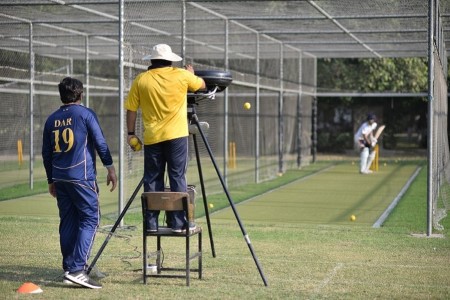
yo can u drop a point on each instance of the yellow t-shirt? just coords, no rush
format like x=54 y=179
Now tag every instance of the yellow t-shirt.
x=161 y=94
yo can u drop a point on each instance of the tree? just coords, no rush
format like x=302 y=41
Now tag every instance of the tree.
x=373 y=75
x=407 y=75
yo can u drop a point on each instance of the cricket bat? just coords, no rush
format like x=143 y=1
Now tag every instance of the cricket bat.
x=379 y=131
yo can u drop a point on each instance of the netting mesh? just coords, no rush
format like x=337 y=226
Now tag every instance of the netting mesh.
x=270 y=47
x=440 y=174
x=249 y=145
x=232 y=132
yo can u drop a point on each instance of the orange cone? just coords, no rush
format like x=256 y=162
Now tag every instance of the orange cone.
x=29 y=288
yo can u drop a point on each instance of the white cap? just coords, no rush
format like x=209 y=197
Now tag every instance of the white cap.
x=162 y=51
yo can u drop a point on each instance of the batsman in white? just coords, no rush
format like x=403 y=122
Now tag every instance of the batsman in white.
x=365 y=143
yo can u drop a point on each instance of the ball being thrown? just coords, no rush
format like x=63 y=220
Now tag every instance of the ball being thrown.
x=247 y=105
x=352 y=218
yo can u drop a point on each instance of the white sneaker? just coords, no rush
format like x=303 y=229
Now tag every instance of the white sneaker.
x=66 y=281
x=366 y=172
x=192 y=227
x=82 y=278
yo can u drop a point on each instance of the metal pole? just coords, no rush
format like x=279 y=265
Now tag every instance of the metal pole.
x=430 y=154
x=225 y=107
x=202 y=186
x=31 y=104
x=314 y=129
x=86 y=70
x=280 y=115
x=113 y=229
x=314 y=125
x=299 y=112
x=121 y=109
x=70 y=66
x=233 y=207
x=257 y=108
x=183 y=31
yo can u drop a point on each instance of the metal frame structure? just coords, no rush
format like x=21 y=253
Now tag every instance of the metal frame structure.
x=322 y=28
x=92 y=30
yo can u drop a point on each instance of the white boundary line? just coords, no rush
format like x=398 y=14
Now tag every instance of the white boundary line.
x=394 y=202
x=328 y=278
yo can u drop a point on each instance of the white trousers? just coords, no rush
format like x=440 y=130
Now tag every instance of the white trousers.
x=366 y=158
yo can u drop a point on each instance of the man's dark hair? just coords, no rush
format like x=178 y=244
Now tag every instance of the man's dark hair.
x=371 y=116
x=70 y=90
x=159 y=63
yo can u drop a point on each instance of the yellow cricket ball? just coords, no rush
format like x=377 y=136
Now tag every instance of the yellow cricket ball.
x=211 y=205
x=247 y=105
x=352 y=218
x=138 y=147
x=134 y=141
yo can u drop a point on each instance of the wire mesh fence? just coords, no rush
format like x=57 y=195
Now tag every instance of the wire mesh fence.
x=439 y=158
x=250 y=145
x=270 y=48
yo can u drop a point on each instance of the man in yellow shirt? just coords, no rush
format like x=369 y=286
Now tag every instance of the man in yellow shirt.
x=161 y=94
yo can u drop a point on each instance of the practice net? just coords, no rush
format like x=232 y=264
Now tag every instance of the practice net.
x=249 y=145
x=440 y=171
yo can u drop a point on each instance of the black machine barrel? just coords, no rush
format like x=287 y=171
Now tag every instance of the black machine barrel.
x=216 y=81
x=214 y=78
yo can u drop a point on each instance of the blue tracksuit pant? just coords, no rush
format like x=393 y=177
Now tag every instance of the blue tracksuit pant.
x=79 y=214
x=174 y=155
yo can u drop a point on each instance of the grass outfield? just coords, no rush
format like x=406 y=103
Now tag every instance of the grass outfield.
x=302 y=259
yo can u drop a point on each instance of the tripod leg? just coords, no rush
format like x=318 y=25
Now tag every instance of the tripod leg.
x=205 y=202
x=222 y=181
x=122 y=214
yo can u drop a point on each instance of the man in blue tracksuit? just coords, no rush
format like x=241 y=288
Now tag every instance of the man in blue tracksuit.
x=71 y=137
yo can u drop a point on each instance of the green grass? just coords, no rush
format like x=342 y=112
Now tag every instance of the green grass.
x=23 y=190
x=330 y=197
x=301 y=260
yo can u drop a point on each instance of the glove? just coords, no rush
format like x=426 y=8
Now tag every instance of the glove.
x=374 y=142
